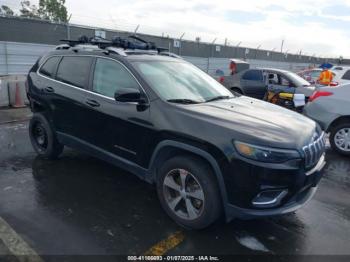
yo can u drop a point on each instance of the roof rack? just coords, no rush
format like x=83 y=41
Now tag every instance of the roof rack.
x=118 y=45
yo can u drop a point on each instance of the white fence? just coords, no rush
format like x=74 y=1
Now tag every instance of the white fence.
x=17 y=59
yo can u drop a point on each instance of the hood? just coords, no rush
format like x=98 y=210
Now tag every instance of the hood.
x=257 y=122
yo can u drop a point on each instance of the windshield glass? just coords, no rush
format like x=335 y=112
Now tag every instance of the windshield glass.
x=297 y=80
x=180 y=80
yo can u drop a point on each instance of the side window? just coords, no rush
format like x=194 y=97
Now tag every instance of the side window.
x=346 y=76
x=109 y=76
x=74 y=70
x=315 y=73
x=48 y=69
x=254 y=75
x=272 y=79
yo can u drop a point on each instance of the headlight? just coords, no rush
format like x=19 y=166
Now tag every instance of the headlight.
x=265 y=154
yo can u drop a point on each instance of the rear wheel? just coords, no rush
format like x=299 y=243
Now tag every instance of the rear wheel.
x=188 y=192
x=43 y=138
x=340 y=138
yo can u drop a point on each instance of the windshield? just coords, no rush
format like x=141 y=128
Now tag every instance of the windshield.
x=181 y=81
x=297 y=80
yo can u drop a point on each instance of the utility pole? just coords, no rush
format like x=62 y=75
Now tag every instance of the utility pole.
x=68 y=27
x=257 y=49
x=137 y=28
x=181 y=42
x=282 y=45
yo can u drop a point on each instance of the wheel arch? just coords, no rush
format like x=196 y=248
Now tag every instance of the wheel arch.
x=169 y=148
x=337 y=121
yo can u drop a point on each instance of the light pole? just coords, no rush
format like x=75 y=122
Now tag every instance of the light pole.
x=257 y=49
x=180 y=42
x=68 y=27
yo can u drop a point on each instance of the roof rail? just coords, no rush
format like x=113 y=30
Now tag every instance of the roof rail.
x=122 y=46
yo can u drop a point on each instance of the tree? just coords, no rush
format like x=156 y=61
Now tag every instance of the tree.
x=28 y=10
x=4 y=9
x=53 y=10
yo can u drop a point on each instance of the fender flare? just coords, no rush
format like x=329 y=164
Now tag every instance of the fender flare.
x=197 y=151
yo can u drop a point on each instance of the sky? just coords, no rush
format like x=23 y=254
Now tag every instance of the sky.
x=320 y=28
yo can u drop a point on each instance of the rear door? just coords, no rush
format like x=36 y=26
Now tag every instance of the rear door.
x=253 y=83
x=70 y=90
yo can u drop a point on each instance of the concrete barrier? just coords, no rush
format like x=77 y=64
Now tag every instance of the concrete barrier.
x=9 y=85
x=4 y=94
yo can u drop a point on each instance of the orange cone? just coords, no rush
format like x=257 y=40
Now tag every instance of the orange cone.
x=18 y=99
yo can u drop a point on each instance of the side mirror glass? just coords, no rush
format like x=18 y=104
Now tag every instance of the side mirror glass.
x=128 y=95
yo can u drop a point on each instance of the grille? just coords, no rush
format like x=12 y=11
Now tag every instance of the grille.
x=314 y=150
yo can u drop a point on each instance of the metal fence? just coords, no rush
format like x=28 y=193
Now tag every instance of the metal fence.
x=17 y=59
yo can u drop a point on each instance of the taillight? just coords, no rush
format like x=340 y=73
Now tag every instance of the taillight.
x=221 y=79
x=318 y=94
x=333 y=84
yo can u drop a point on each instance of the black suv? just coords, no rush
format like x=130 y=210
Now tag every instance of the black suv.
x=209 y=152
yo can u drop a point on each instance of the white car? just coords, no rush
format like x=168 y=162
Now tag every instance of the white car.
x=341 y=74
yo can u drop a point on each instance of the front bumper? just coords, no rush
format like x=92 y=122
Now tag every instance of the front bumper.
x=299 y=188
x=297 y=202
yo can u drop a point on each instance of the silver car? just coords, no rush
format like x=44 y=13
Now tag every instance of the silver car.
x=330 y=107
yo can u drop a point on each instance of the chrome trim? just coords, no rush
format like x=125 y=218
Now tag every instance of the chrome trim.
x=88 y=91
x=125 y=149
x=314 y=150
x=321 y=163
x=270 y=202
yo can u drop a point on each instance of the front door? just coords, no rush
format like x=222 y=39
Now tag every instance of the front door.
x=116 y=127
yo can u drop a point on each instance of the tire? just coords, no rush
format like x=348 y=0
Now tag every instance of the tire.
x=200 y=180
x=337 y=131
x=43 y=137
x=236 y=90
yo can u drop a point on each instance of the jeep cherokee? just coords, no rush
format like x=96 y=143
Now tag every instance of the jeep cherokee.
x=209 y=152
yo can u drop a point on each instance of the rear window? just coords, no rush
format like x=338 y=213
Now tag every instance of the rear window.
x=74 y=70
x=49 y=68
x=346 y=76
x=254 y=75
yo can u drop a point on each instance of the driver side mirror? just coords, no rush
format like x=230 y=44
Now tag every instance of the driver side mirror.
x=129 y=95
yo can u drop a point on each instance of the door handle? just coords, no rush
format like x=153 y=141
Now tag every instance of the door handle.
x=49 y=89
x=92 y=103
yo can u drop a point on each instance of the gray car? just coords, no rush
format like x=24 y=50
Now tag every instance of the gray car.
x=255 y=82
x=330 y=107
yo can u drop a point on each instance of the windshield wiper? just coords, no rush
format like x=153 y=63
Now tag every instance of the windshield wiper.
x=183 y=101
x=218 y=98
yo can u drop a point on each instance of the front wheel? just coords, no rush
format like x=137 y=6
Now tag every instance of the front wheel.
x=188 y=192
x=43 y=138
x=340 y=138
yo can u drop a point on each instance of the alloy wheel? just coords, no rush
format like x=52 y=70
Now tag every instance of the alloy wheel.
x=40 y=136
x=342 y=139
x=183 y=194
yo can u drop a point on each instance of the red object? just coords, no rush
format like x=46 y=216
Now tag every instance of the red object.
x=233 y=67
x=334 y=84
x=18 y=98
x=318 y=94
x=221 y=79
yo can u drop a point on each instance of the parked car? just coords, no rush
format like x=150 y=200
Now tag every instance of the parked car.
x=330 y=108
x=341 y=74
x=208 y=151
x=312 y=76
x=255 y=82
